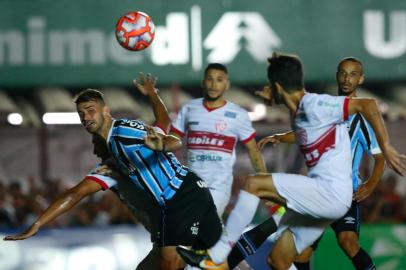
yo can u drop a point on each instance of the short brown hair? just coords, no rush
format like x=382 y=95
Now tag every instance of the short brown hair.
x=89 y=95
x=287 y=70
x=216 y=66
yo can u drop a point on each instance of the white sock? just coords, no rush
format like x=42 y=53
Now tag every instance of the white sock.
x=239 y=218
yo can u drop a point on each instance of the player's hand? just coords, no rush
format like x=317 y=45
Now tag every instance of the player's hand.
x=103 y=170
x=154 y=140
x=270 y=139
x=31 y=231
x=363 y=191
x=394 y=159
x=145 y=83
x=266 y=94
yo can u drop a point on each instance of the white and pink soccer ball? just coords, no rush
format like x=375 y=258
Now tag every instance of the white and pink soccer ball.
x=135 y=31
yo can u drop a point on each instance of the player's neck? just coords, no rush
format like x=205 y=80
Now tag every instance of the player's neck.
x=104 y=131
x=292 y=100
x=213 y=104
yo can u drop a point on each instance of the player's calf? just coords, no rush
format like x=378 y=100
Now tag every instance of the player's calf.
x=283 y=252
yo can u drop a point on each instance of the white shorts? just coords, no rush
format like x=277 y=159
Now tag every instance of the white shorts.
x=305 y=229
x=311 y=207
x=221 y=200
x=309 y=196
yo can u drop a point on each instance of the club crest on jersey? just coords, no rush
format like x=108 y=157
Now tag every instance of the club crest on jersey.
x=195 y=228
x=220 y=126
x=230 y=114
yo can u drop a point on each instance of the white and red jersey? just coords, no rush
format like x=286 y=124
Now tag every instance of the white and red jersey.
x=322 y=135
x=211 y=137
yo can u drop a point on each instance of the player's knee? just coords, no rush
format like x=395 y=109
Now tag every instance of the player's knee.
x=252 y=184
x=278 y=262
x=349 y=243
x=304 y=256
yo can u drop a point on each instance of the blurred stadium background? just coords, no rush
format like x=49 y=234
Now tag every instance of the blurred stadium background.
x=50 y=50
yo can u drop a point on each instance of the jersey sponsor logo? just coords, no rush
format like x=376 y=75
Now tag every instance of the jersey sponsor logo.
x=133 y=123
x=202 y=158
x=230 y=114
x=349 y=220
x=220 y=125
x=201 y=184
x=313 y=152
x=328 y=104
x=193 y=123
x=199 y=140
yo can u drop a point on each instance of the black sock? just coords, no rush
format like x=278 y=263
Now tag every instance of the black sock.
x=250 y=241
x=302 y=265
x=362 y=261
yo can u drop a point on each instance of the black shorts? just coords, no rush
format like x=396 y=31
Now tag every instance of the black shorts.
x=190 y=218
x=351 y=221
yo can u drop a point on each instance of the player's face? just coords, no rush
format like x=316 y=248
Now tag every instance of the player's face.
x=91 y=115
x=349 y=77
x=215 y=83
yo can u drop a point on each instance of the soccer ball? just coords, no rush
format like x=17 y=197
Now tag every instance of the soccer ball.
x=135 y=31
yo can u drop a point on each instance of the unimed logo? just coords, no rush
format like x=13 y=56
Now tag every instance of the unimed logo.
x=385 y=36
x=179 y=41
x=40 y=46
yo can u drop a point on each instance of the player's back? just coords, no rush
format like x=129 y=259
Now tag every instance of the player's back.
x=324 y=141
x=158 y=173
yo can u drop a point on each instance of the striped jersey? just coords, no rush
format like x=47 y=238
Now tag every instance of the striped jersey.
x=211 y=137
x=363 y=140
x=158 y=173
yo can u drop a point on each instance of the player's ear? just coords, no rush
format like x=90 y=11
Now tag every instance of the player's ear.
x=228 y=84
x=361 y=80
x=278 y=88
x=106 y=111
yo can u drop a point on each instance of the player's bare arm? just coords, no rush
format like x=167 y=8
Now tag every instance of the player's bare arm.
x=366 y=189
x=146 y=85
x=62 y=204
x=287 y=137
x=369 y=109
x=160 y=142
x=256 y=157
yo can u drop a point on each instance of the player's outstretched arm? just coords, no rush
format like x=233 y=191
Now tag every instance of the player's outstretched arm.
x=369 y=109
x=146 y=85
x=287 y=137
x=366 y=189
x=160 y=142
x=256 y=157
x=62 y=204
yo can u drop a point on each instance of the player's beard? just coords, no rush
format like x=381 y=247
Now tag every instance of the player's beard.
x=209 y=98
x=277 y=97
x=346 y=93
